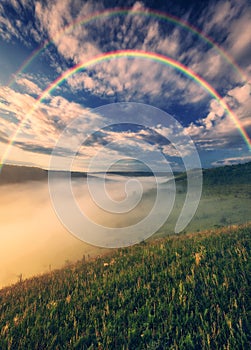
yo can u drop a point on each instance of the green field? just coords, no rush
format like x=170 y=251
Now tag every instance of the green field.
x=184 y=292
x=219 y=206
x=225 y=200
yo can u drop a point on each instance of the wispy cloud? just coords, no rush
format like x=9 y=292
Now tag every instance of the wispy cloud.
x=231 y=21
x=54 y=17
x=126 y=79
x=18 y=24
x=86 y=40
x=39 y=128
x=29 y=85
x=231 y=161
x=219 y=15
x=141 y=80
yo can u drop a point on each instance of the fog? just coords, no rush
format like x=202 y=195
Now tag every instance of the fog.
x=34 y=241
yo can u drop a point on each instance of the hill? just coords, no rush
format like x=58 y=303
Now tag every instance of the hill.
x=17 y=174
x=229 y=174
x=10 y=174
x=184 y=292
x=225 y=175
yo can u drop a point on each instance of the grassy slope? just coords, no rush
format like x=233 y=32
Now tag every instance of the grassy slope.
x=225 y=200
x=187 y=292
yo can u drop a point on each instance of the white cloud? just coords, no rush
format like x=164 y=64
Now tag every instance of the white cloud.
x=138 y=79
x=168 y=44
x=29 y=85
x=39 y=126
x=55 y=19
x=242 y=94
x=230 y=23
x=137 y=6
x=219 y=14
x=131 y=79
x=239 y=98
x=231 y=161
x=238 y=41
x=217 y=108
x=84 y=40
x=18 y=25
x=79 y=43
x=7 y=30
x=194 y=130
x=219 y=129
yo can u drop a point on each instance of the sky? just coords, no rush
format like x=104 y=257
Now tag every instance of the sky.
x=61 y=74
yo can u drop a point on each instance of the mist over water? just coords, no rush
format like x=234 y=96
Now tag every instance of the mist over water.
x=33 y=240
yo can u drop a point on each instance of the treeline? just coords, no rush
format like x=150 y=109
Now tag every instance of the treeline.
x=238 y=174
x=187 y=292
x=228 y=175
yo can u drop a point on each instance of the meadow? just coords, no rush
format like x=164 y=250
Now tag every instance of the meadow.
x=189 y=291
x=225 y=200
x=219 y=206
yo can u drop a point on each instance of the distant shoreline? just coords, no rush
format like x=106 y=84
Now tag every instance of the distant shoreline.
x=13 y=174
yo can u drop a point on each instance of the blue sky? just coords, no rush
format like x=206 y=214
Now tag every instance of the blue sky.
x=25 y=25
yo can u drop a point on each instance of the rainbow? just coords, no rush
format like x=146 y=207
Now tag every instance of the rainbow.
x=122 y=12
x=130 y=54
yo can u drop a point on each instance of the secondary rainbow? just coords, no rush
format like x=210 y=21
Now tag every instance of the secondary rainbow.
x=131 y=54
x=128 y=11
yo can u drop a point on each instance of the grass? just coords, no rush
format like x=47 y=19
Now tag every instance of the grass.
x=220 y=205
x=184 y=292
